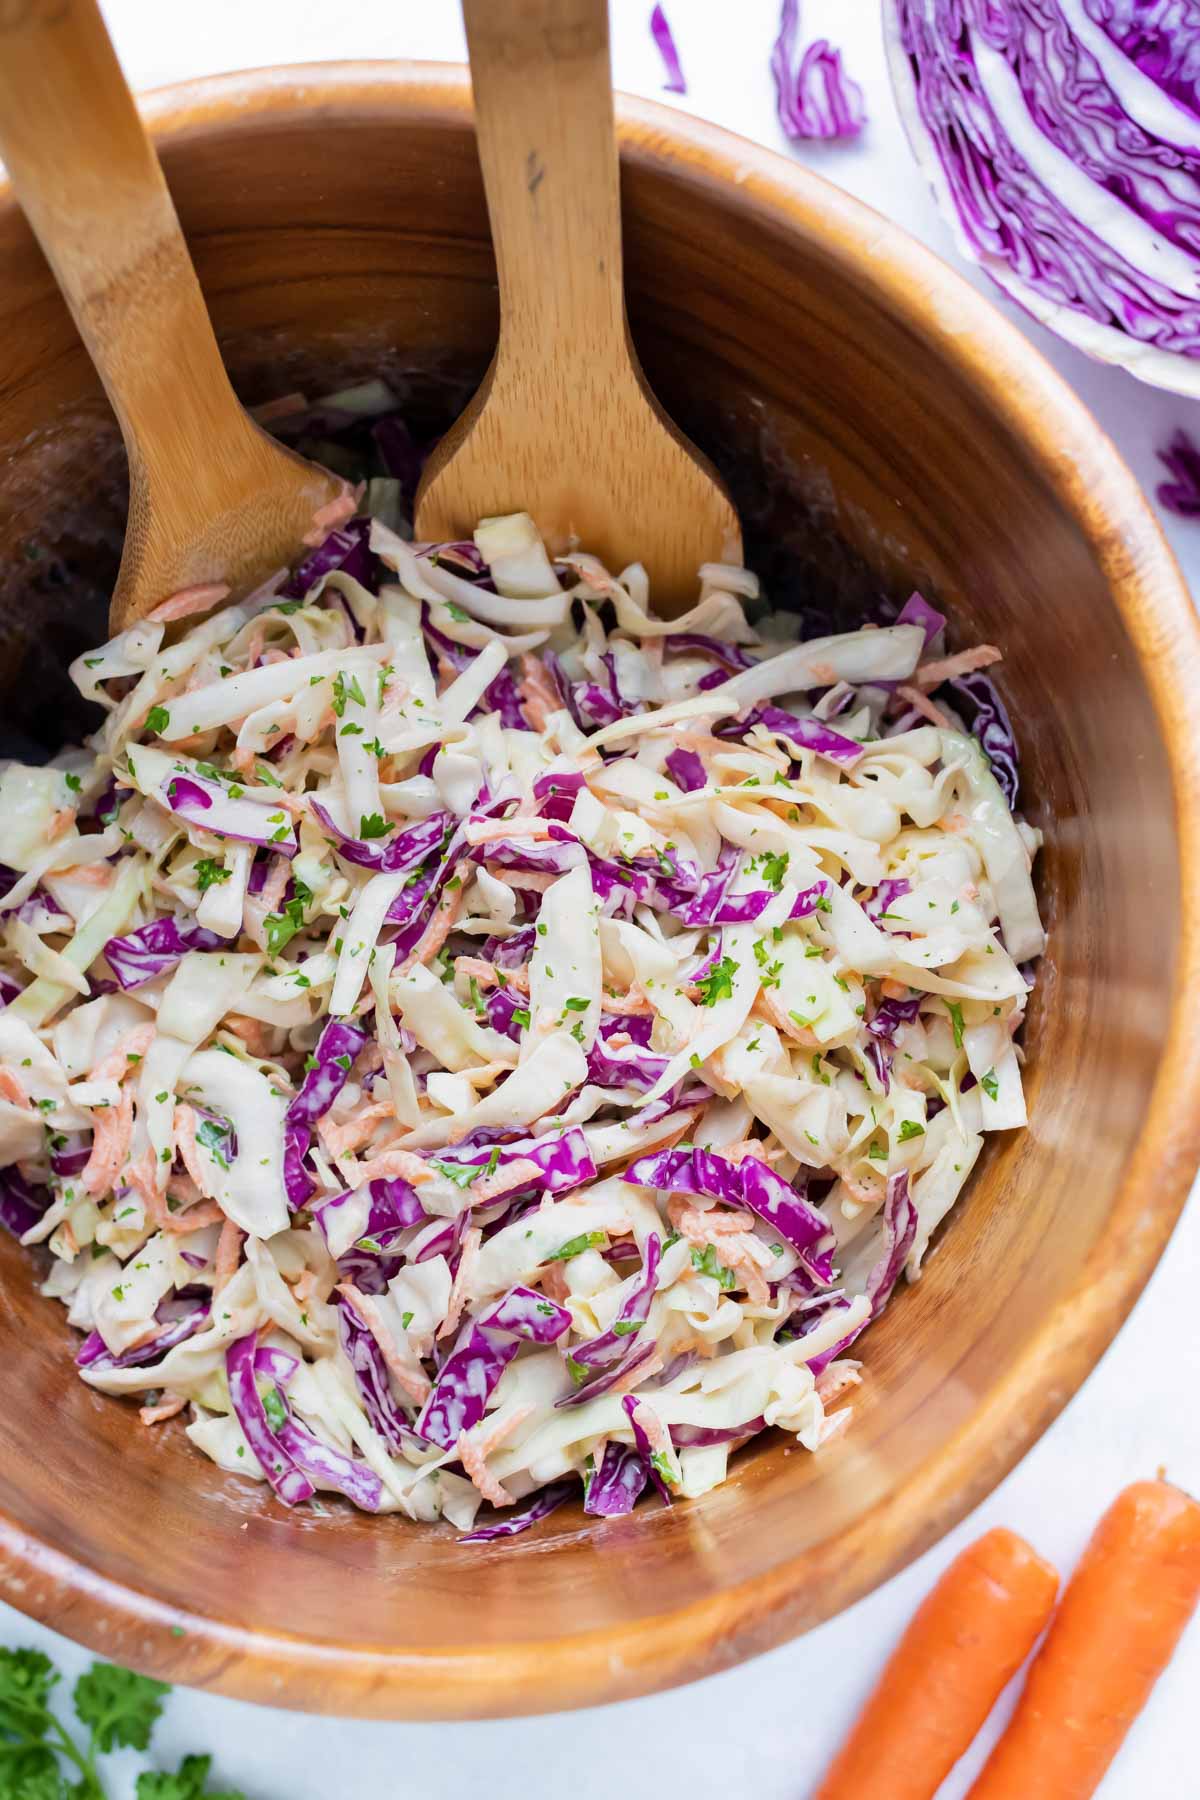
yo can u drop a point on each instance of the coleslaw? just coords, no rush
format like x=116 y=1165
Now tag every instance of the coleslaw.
x=468 y=1040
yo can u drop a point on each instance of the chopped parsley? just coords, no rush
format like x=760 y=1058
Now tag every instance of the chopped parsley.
x=586 y=1240
x=209 y=874
x=718 y=983
x=344 y=690
x=707 y=1262
x=280 y=928
x=214 y=1137
x=461 y=1174
x=773 y=867
x=275 y=1408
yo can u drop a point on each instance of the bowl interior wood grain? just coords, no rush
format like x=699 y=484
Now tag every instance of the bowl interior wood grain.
x=881 y=428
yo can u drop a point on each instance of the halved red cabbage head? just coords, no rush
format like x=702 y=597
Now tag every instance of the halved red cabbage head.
x=1063 y=142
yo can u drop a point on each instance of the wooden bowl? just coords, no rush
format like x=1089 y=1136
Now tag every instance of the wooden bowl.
x=882 y=427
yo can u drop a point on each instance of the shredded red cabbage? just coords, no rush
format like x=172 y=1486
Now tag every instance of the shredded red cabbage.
x=814 y=96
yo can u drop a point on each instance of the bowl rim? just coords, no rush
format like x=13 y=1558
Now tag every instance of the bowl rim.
x=1080 y=463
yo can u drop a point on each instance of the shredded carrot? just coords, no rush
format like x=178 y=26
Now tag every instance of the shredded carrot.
x=392 y=1163
x=225 y=1262
x=88 y=874
x=340 y=1140
x=255 y=643
x=330 y=517
x=476 y=1446
x=921 y=703
x=11 y=1088
x=955 y=823
x=473 y=1460
x=534 y=881
x=189 y=601
x=113 y=1130
x=409 y=1377
x=537 y=692
x=368 y=1060
x=488 y=976
x=254 y=1033
x=283 y=408
x=184 y=1127
x=766 y=1006
x=395 y=692
x=970 y=1635
x=144 y=1177
x=180 y=1187
x=468 y=1256
x=440 y=926
x=304 y=1286
x=502 y=1429
x=685 y=1128
x=729 y=1234
x=947 y=668
x=194 y=1219
x=275 y=886
x=123 y=1058
x=486 y=1074
x=702 y=740
x=636 y=1002
x=866 y=1193
x=706 y=1225
x=1123 y=1613
x=518 y=1173
x=491 y=831
x=167 y=1408
x=657 y=1435
x=640 y=1372
x=553 y=1282
x=348 y=1136
x=61 y=823
x=835 y=1378
x=738 y=1254
x=737 y=1153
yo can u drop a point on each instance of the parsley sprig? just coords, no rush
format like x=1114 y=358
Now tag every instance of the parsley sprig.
x=41 y=1759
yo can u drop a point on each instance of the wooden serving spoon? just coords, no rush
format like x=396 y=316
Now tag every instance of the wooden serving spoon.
x=564 y=426
x=211 y=497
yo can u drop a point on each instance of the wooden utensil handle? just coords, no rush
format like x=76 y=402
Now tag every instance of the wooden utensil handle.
x=544 y=114
x=91 y=187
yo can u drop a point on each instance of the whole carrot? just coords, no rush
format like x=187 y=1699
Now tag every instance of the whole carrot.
x=967 y=1639
x=1121 y=1617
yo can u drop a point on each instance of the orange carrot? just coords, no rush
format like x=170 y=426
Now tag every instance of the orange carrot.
x=1121 y=1617
x=966 y=1641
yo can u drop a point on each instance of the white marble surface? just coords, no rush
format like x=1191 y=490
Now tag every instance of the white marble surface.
x=768 y=1727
